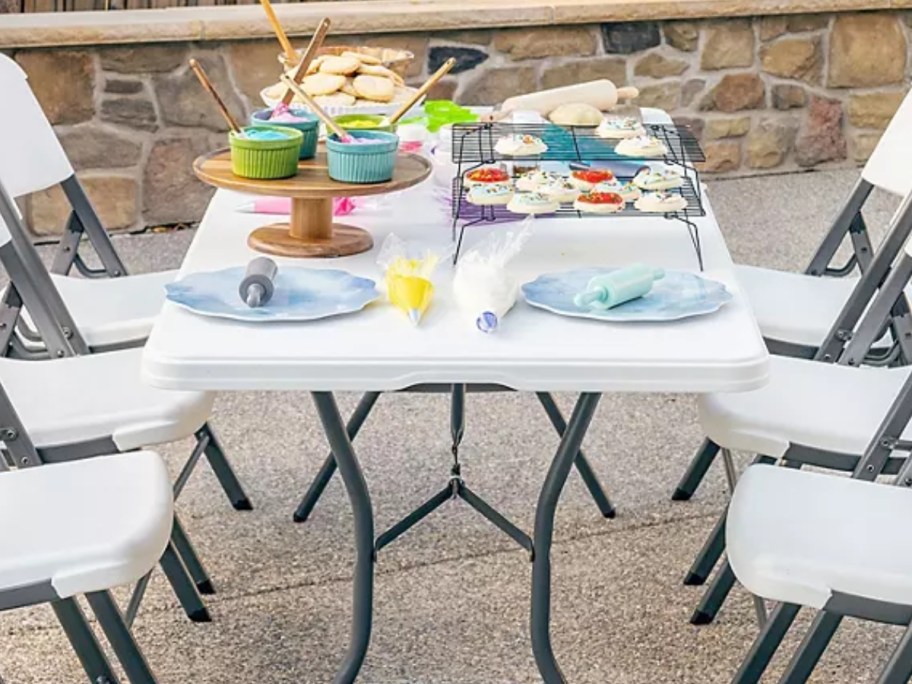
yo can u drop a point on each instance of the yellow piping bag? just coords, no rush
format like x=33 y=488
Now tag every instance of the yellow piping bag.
x=408 y=269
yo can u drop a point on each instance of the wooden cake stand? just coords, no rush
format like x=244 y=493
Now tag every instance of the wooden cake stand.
x=311 y=231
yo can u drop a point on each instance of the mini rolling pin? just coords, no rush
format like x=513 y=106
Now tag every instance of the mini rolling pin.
x=615 y=288
x=258 y=285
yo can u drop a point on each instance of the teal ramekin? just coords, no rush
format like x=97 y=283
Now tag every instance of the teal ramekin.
x=265 y=159
x=362 y=162
x=310 y=129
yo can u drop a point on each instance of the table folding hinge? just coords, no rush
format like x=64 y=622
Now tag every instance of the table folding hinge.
x=889 y=442
x=844 y=335
x=9 y=434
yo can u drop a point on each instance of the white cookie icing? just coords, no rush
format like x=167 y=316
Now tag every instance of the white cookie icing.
x=665 y=178
x=520 y=146
x=618 y=129
x=660 y=202
x=627 y=190
x=532 y=203
x=490 y=193
x=641 y=146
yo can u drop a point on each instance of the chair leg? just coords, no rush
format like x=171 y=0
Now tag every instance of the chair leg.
x=899 y=668
x=83 y=641
x=714 y=596
x=188 y=554
x=120 y=638
x=223 y=471
x=766 y=643
x=696 y=471
x=183 y=586
x=708 y=555
x=811 y=649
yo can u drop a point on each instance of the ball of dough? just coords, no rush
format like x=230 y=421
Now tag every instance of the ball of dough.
x=576 y=114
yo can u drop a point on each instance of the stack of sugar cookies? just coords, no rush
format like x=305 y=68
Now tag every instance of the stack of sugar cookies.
x=348 y=79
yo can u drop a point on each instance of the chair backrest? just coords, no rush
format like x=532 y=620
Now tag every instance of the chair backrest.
x=32 y=157
x=889 y=167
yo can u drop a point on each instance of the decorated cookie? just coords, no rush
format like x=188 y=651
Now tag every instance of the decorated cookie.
x=520 y=146
x=586 y=179
x=620 y=128
x=532 y=203
x=641 y=146
x=599 y=202
x=627 y=190
x=490 y=193
x=665 y=178
x=486 y=175
x=560 y=190
x=660 y=202
x=532 y=180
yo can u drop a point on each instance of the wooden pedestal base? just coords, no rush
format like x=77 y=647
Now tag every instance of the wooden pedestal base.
x=310 y=233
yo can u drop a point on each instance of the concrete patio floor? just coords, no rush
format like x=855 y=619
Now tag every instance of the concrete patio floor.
x=452 y=595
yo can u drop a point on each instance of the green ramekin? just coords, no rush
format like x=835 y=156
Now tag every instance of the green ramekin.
x=377 y=121
x=362 y=163
x=310 y=129
x=265 y=159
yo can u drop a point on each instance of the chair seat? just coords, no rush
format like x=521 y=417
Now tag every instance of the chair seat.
x=794 y=307
x=114 y=311
x=798 y=536
x=82 y=398
x=835 y=408
x=83 y=526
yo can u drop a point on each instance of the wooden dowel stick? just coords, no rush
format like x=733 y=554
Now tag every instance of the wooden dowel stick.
x=316 y=42
x=315 y=108
x=290 y=54
x=207 y=84
x=440 y=73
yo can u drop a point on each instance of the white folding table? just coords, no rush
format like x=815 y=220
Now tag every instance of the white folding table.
x=379 y=350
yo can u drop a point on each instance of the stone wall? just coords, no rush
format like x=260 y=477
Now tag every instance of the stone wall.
x=764 y=94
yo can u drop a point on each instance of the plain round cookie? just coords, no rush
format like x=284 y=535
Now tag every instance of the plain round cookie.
x=340 y=65
x=374 y=88
x=361 y=57
x=339 y=99
x=322 y=84
x=378 y=70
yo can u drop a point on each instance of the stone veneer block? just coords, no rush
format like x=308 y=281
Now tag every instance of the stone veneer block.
x=612 y=68
x=183 y=101
x=682 y=35
x=690 y=90
x=728 y=44
x=665 y=96
x=873 y=110
x=716 y=129
x=495 y=85
x=629 y=37
x=771 y=27
x=798 y=23
x=143 y=58
x=736 y=92
x=695 y=124
x=113 y=197
x=466 y=58
x=863 y=144
x=444 y=89
x=656 y=65
x=788 y=96
x=90 y=146
x=822 y=138
x=547 y=41
x=171 y=192
x=468 y=37
x=119 y=86
x=866 y=50
x=130 y=111
x=800 y=59
x=721 y=156
x=63 y=81
x=769 y=143
x=254 y=65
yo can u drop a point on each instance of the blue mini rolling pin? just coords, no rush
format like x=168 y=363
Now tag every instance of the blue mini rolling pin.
x=612 y=289
x=258 y=285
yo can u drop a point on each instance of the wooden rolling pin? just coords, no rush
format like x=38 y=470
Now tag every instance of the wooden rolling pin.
x=601 y=94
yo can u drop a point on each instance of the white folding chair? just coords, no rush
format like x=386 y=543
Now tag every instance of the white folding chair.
x=116 y=311
x=799 y=312
x=838 y=416
x=83 y=528
x=827 y=543
x=120 y=413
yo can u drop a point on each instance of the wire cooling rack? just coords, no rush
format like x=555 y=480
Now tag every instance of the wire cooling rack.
x=473 y=146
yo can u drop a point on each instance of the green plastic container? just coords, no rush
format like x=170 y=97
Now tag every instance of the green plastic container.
x=362 y=163
x=365 y=122
x=265 y=159
x=310 y=129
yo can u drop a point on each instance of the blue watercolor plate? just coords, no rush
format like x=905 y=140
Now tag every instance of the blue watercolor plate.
x=301 y=294
x=678 y=295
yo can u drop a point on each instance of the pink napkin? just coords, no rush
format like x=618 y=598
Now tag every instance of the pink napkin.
x=342 y=206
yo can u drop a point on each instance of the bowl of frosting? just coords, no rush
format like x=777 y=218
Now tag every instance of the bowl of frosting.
x=265 y=152
x=362 y=157
x=291 y=117
x=365 y=122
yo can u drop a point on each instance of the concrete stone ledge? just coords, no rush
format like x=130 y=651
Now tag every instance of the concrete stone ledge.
x=379 y=16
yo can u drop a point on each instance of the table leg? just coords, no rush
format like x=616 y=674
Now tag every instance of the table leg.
x=544 y=531
x=358 y=495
